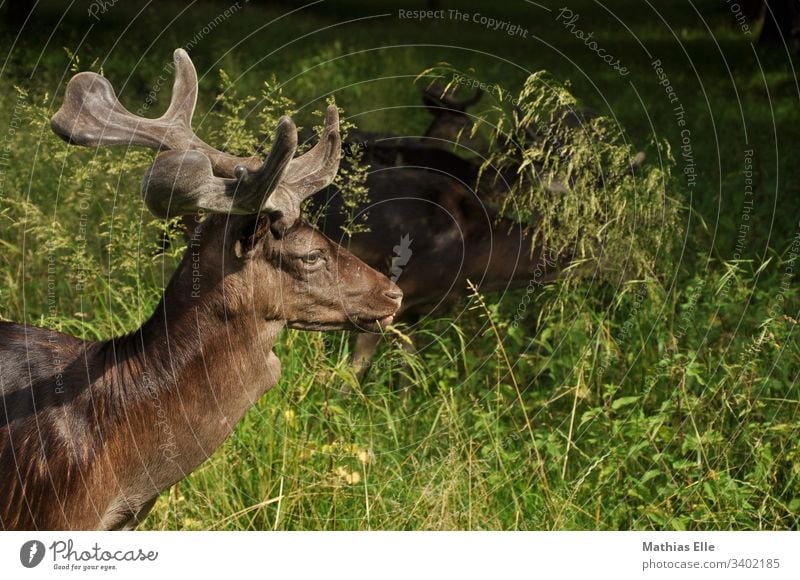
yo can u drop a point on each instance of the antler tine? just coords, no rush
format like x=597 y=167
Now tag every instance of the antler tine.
x=183 y=182
x=309 y=173
x=91 y=114
x=463 y=105
x=184 y=91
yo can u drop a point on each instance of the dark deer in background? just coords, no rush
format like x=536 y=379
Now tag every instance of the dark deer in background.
x=431 y=233
x=450 y=128
x=452 y=125
x=92 y=432
x=430 y=228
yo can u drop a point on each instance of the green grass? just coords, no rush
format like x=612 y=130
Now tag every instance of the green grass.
x=669 y=403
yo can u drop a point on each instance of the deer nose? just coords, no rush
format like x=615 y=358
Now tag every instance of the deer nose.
x=393 y=293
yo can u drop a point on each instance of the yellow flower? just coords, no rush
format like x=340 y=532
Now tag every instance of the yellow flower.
x=290 y=417
x=366 y=456
x=349 y=477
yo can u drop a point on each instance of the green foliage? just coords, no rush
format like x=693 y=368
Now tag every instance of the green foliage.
x=568 y=177
x=233 y=134
x=652 y=405
x=499 y=435
x=623 y=219
x=351 y=181
x=69 y=219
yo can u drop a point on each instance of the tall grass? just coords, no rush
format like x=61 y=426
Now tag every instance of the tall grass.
x=645 y=405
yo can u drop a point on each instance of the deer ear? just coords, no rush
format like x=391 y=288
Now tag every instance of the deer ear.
x=251 y=236
x=433 y=105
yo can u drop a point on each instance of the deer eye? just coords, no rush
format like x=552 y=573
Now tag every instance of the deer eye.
x=313 y=258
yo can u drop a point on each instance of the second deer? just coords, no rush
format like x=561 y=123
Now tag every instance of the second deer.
x=430 y=227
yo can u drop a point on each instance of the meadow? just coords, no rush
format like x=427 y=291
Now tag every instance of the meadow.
x=667 y=401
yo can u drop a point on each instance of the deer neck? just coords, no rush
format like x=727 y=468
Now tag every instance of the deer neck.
x=190 y=373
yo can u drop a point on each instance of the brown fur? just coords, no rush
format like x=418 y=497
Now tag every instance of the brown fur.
x=92 y=432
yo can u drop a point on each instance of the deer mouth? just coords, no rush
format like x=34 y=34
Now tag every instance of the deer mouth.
x=355 y=323
x=373 y=325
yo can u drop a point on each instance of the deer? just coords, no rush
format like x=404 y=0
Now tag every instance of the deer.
x=429 y=224
x=451 y=124
x=430 y=228
x=92 y=432
x=432 y=234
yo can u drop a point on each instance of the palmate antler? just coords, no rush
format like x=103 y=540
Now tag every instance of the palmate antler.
x=190 y=175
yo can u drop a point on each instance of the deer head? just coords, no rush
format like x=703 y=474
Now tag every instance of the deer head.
x=257 y=246
x=451 y=122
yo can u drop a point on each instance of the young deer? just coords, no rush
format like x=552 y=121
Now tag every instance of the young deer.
x=92 y=432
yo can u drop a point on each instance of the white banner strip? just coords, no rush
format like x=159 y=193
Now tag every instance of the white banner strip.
x=402 y=555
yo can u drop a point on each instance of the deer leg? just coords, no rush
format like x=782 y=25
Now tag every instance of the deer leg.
x=364 y=351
